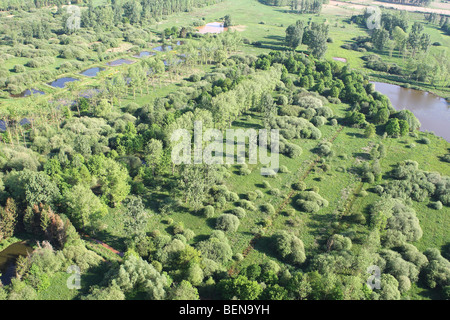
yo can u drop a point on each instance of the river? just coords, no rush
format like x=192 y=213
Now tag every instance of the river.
x=8 y=259
x=432 y=111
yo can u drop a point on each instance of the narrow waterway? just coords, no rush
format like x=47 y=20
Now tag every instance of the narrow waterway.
x=8 y=259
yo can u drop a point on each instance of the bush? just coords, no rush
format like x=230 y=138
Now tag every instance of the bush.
x=437 y=205
x=299 y=186
x=18 y=68
x=247 y=205
x=340 y=243
x=289 y=247
x=293 y=150
x=275 y=192
x=425 y=140
x=208 y=211
x=251 y=196
x=239 y=212
x=266 y=184
x=267 y=208
x=227 y=222
x=311 y=202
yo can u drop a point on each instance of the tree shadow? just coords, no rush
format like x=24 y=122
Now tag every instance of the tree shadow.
x=265 y=245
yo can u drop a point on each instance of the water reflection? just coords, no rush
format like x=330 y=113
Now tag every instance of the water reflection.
x=61 y=82
x=92 y=72
x=212 y=27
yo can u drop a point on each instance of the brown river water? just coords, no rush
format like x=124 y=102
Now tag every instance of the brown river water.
x=8 y=258
x=432 y=111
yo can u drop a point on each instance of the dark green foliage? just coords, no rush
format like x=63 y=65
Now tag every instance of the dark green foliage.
x=289 y=247
x=311 y=202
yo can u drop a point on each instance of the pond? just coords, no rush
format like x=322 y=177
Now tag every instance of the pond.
x=163 y=48
x=28 y=92
x=61 y=82
x=92 y=72
x=144 y=54
x=8 y=259
x=119 y=62
x=212 y=27
x=432 y=111
x=339 y=59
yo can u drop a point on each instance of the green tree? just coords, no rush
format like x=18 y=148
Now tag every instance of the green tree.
x=83 y=206
x=294 y=35
x=240 y=287
x=393 y=127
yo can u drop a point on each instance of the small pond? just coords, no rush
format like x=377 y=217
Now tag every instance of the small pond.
x=119 y=62
x=212 y=27
x=61 y=82
x=92 y=72
x=143 y=54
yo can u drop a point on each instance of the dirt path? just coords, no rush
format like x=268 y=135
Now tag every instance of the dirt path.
x=103 y=244
x=252 y=242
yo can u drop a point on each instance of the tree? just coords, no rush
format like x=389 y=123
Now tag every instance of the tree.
x=315 y=37
x=404 y=127
x=382 y=116
x=32 y=187
x=184 y=291
x=227 y=21
x=227 y=222
x=380 y=38
x=370 y=131
x=135 y=224
x=240 y=287
x=153 y=153
x=289 y=247
x=294 y=35
x=113 y=180
x=393 y=127
x=8 y=219
x=135 y=274
x=83 y=206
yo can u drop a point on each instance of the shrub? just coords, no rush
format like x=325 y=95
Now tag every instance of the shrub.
x=266 y=184
x=208 y=211
x=251 y=196
x=227 y=222
x=299 y=186
x=18 y=68
x=259 y=194
x=311 y=202
x=289 y=247
x=340 y=243
x=436 y=205
x=239 y=212
x=267 y=208
x=247 y=205
x=425 y=140
x=275 y=192
x=293 y=150
x=284 y=169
